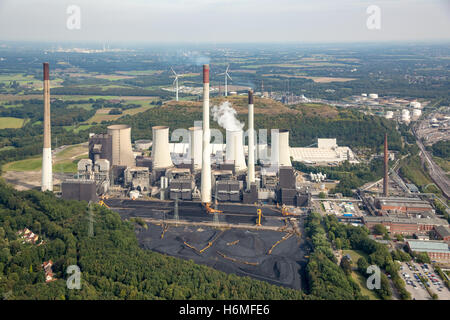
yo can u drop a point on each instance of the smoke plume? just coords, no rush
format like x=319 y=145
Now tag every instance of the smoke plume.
x=225 y=116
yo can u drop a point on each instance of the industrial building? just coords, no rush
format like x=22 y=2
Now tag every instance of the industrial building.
x=436 y=250
x=442 y=233
x=194 y=171
x=405 y=225
x=405 y=205
x=326 y=151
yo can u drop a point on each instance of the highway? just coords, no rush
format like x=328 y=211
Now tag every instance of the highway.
x=436 y=173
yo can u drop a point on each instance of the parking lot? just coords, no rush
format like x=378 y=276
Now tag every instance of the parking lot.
x=410 y=273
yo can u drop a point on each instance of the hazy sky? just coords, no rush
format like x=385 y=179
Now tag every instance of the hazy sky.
x=225 y=20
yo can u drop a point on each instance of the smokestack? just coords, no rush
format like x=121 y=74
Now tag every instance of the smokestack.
x=160 y=148
x=206 y=156
x=386 y=168
x=235 y=149
x=195 y=146
x=251 y=142
x=47 y=174
x=122 y=152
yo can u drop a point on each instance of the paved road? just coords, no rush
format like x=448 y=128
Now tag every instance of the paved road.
x=437 y=174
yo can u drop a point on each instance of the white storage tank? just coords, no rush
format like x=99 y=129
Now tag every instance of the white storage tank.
x=405 y=115
x=373 y=96
x=389 y=115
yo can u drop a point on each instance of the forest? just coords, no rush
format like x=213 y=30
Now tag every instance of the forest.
x=112 y=264
x=330 y=281
x=442 y=149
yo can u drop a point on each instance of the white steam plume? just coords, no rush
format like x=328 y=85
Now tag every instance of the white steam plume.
x=225 y=116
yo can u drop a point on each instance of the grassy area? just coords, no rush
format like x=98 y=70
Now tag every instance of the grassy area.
x=86 y=106
x=443 y=163
x=412 y=170
x=11 y=123
x=31 y=164
x=361 y=281
x=64 y=161
x=102 y=114
x=7 y=148
x=355 y=255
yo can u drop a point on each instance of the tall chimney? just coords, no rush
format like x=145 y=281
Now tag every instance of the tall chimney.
x=386 y=168
x=251 y=142
x=206 y=156
x=47 y=175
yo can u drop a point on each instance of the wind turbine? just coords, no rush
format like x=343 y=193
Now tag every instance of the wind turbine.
x=226 y=79
x=175 y=82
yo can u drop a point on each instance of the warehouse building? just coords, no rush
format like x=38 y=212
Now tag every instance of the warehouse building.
x=436 y=250
x=405 y=205
x=406 y=226
x=442 y=233
x=327 y=151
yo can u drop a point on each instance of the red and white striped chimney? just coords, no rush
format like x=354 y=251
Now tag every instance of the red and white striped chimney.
x=206 y=156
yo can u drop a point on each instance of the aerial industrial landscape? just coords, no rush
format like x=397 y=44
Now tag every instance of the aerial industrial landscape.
x=224 y=171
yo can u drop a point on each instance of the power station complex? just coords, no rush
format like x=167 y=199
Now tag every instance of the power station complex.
x=203 y=172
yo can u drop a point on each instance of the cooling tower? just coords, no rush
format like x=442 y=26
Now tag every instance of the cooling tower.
x=47 y=174
x=206 y=156
x=195 y=146
x=235 y=149
x=274 y=148
x=251 y=142
x=284 y=149
x=160 y=149
x=122 y=152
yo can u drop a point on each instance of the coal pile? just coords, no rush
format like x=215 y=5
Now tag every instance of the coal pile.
x=238 y=251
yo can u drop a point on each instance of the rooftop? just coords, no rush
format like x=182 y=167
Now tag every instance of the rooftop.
x=428 y=246
x=411 y=220
x=443 y=231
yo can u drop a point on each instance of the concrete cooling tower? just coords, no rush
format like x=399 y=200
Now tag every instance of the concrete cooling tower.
x=122 y=152
x=160 y=149
x=285 y=150
x=280 y=150
x=195 y=146
x=235 y=149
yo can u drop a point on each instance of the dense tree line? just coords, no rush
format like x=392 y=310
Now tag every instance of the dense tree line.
x=326 y=280
x=442 y=149
x=112 y=264
x=357 y=238
x=304 y=131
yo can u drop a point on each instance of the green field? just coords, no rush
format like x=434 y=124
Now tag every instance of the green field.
x=65 y=161
x=11 y=123
x=355 y=255
x=443 y=163
x=361 y=281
